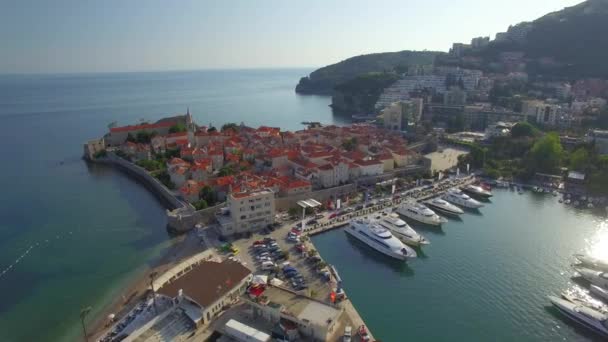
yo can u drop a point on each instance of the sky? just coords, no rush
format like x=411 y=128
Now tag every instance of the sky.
x=51 y=36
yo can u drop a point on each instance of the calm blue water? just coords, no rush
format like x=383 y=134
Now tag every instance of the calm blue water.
x=484 y=278
x=89 y=230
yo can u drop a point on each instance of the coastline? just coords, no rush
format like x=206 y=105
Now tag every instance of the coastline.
x=181 y=247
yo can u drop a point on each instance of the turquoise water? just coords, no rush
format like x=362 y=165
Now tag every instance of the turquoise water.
x=92 y=229
x=484 y=278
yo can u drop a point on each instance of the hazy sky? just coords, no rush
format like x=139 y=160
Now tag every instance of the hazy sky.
x=132 y=35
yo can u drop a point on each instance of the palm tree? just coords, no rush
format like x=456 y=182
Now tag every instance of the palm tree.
x=83 y=314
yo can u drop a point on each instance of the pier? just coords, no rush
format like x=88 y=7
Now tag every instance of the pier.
x=421 y=193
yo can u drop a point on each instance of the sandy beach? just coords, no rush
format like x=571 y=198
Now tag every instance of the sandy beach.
x=182 y=248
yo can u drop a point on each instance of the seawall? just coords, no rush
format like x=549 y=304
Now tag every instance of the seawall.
x=181 y=216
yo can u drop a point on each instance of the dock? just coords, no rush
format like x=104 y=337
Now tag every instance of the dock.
x=420 y=193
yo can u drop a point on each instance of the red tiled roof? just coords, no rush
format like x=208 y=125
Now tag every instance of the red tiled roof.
x=326 y=167
x=141 y=127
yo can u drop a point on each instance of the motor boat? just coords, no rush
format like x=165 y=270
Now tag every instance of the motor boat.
x=591 y=262
x=582 y=314
x=421 y=213
x=600 y=292
x=586 y=301
x=401 y=230
x=459 y=198
x=379 y=238
x=476 y=190
x=595 y=277
x=444 y=207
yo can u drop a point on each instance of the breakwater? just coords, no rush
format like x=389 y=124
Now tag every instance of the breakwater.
x=181 y=216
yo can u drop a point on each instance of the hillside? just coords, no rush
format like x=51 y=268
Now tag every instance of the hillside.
x=570 y=43
x=323 y=81
x=359 y=95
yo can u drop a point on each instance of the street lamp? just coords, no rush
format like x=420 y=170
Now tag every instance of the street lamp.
x=83 y=314
x=152 y=276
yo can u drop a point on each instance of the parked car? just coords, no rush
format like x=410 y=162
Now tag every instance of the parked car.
x=319 y=216
x=348 y=333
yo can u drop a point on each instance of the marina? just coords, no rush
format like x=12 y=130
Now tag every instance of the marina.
x=470 y=271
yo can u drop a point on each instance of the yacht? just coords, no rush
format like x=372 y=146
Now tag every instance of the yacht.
x=401 y=230
x=458 y=197
x=582 y=314
x=591 y=262
x=379 y=238
x=444 y=207
x=599 y=292
x=595 y=277
x=477 y=190
x=420 y=213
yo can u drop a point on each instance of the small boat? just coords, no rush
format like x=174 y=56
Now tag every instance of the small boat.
x=420 y=213
x=459 y=198
x=582 y=314
x=595 y=277
x=555 y=193
x=401 y=230
x=591 y=262
x=476 y=190
x=600 y=292
x=567 y=201
x=379 y=238
x=444 y=207
x=363 y=335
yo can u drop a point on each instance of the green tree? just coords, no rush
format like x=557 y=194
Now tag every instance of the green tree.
x=226 y=171
x=144 y=137
x=201 y=204
x=293 y=212
x=131 y=138
x=178 y=127
x=524 y=129
x=546 y=154
x=208 y=195
x=211 y=129
x=579 y=159
x=230 y=126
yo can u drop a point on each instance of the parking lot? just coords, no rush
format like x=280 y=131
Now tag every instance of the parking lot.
x=306 y=269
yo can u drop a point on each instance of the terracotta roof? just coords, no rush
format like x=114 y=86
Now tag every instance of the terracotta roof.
x=141 y=127
x=326 y=167
x=207 y=282
x=297 y=184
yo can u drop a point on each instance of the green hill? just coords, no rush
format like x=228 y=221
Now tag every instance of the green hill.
x=323 y=81
x=570 y=43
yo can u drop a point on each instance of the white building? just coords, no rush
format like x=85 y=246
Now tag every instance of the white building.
x=247 y=212
x=544 y=113
x=204 y=290
x=397 y=116
x=315 y=320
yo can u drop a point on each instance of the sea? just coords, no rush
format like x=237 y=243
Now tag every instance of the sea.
x=74 y=235
x=484 y=277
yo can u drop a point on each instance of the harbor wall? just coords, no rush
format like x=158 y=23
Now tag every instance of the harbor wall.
x=181 y=216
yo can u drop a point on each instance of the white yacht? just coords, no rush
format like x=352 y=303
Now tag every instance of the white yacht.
x=401 y=230
x=595 y=277
x=379 y=238
x=600 y=292
x=458 y=197
x=420 y=213
x=477 y=190
x=582 y=314
x=444 y=207
x=591 y=262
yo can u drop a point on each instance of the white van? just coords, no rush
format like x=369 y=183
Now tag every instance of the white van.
x=348 y=331
x=268 y=265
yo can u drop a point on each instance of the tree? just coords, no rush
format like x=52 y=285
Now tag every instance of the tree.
x=211 y=129
x=230 y=126
x=293 y=211
x=579 y=159
x=546 y=154
x=144 y=137
x=226 y=171
x=349 y=144
x=131 y=138
x=178 y=127
x=208 y=195
x=201 y=204
x=524 y=129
